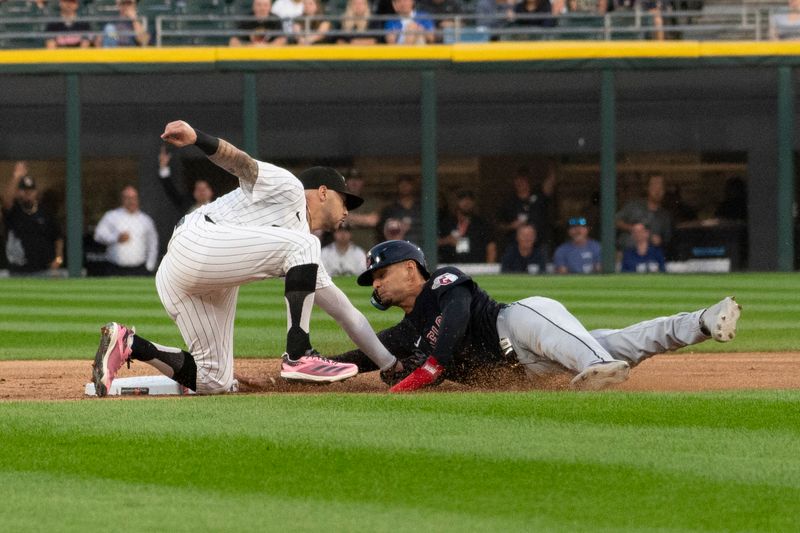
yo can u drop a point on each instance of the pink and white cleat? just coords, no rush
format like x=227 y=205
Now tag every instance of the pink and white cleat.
x=315 y=368
x=113 y=352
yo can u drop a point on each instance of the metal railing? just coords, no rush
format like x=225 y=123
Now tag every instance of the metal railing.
x=722 y=23
x=717 y=23
x=20 y=28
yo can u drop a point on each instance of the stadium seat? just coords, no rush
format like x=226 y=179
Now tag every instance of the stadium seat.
x=18 y=8
x=200 y=7
x=153 y=8
x=210 y=13
x=588 y=22
x=466 y=35
x=102 y=7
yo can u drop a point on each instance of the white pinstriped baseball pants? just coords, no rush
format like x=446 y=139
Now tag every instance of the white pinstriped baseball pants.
x=548 y=339
x=198 y=283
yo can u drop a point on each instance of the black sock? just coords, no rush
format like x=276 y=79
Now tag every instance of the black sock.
x=301 y=281
x=187 y=375
x=181 y=362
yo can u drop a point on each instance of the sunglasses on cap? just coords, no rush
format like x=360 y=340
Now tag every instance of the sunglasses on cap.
x=577 y=221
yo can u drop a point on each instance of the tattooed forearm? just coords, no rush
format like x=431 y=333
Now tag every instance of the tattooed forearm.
x=235 y=161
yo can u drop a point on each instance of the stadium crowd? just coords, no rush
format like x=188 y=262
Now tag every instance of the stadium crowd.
x=520 y=230
x=113 y=23
x=110 y=23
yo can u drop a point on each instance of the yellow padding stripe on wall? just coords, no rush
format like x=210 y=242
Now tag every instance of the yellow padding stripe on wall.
x=467 y=52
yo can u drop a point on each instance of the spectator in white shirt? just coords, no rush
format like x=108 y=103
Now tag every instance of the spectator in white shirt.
x=130 y=236
x=342 y=257
x=288 y=10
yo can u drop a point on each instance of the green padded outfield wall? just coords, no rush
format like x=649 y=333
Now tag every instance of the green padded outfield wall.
x=491 y=100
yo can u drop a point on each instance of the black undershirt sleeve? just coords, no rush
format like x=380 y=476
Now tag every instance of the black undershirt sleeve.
x=455 y=304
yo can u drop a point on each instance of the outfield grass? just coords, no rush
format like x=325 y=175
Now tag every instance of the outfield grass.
x=444 y=462
x=45 y=319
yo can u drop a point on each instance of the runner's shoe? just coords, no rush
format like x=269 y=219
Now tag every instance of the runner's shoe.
x=315 y=368
x=601 y=375
x=113 y=352
x=719 y=320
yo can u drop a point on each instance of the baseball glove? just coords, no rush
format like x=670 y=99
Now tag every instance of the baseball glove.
x=393 y=376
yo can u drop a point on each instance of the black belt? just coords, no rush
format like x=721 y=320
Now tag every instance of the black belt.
x=507 y=349
x=183 y=219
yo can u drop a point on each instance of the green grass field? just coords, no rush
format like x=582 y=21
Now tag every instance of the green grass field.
x=51 y=319
x=533 y=461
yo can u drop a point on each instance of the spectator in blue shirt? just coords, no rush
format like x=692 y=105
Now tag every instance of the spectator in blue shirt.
x=579 y=255
x=410 y=26
x=642 y=257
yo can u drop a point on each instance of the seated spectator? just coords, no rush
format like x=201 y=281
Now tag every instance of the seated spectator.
x=494 y=14
x=444 y=13
x=395 y=230
x=406 y=209
x=127 y=32
x=579 y=255
x=523 y=255
x=342 y=257
x=734 y=202
x=358 y=26
x=202 y=192
x=527 y=13
x=265 y=29
x=466 y=237
x=364 y=221
x=786 y=25
x=130 y=236
x=680 y=210
x=642 y=257
x=652 y=9
x=287 y=11
x=70 y=32
x=34 y=245
x=409 y=26
x=310 y=29
x=649 y=211
x=528 y=205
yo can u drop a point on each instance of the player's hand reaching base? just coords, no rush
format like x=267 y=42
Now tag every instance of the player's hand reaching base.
x=179 y=133
x=427 y=375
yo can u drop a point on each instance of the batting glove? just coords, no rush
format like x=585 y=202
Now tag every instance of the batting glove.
x=426 y=375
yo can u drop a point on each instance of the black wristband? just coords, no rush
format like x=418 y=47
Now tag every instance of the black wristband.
x=206 y=142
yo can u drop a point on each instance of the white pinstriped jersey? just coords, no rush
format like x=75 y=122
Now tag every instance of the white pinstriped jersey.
x=275 y=199
x=258 y=231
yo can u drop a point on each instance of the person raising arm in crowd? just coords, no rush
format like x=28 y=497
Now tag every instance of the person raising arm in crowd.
x=34 y=245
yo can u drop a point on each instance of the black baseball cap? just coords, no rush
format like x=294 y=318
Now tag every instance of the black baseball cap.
x=26 y=183
x=316 y=177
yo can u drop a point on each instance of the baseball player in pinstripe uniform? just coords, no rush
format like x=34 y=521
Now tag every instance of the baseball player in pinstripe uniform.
x=260 y=230
x=454 y=330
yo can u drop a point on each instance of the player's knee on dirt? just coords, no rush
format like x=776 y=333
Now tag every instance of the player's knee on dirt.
x=216 y=386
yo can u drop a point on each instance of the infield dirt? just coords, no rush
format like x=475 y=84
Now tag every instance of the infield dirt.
x=65 y=380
